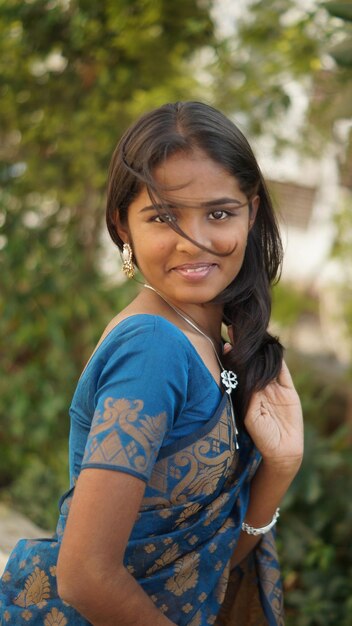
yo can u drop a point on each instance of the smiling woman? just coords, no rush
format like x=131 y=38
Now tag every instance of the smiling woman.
x=181 y=448
x=210 y=208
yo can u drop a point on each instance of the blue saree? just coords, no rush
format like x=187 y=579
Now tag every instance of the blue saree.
x=196 y=495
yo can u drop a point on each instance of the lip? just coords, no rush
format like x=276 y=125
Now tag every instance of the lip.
x=194 y=271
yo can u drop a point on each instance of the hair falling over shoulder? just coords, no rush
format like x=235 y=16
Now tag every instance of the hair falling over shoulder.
x=183 y=127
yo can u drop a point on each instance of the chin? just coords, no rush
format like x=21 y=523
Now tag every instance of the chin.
x=196 y=296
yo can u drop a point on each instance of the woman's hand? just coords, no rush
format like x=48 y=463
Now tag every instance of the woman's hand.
x=274 y=422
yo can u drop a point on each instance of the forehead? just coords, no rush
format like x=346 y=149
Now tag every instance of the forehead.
x=195 y=175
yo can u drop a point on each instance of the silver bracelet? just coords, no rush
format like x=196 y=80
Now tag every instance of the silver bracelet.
x=264 y=529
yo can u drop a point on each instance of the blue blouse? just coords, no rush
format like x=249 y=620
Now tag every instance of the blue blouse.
x=147 y=405
x=149 y=359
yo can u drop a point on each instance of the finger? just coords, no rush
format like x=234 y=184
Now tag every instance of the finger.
x=227 y=348
x=284 y=378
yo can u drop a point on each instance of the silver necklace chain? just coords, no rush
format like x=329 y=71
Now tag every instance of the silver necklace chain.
x=228 y=377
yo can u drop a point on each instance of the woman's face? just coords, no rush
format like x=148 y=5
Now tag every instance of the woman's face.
x=209 y=206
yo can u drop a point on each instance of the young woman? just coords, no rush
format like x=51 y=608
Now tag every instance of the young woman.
x=181 y=446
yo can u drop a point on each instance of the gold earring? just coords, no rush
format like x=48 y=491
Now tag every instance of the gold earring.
x=127 y=265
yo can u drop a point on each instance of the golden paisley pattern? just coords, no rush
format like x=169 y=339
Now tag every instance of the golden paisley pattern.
x=26 y=615
x=167 y=557
x=123 y=437
x=185 y=576
x=36 y=590
x=55 y=618
x=270 y=576
x=221 y=586
x=197 y=470
x=215 y=508
x=188 y=511
x=185 y=531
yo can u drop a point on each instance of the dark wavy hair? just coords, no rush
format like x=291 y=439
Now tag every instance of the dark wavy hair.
x=184 y=127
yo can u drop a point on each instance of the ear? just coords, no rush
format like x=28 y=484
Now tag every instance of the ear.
x=253 y=209
x=121 y=228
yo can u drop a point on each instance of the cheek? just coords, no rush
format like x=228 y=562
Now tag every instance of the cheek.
x=148 y=250
x=161 y=245
x=240 y=241
x=236 y=237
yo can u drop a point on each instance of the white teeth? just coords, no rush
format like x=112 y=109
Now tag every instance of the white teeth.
x=195 y=269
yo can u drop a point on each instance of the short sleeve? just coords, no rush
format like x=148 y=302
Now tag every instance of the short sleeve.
x=140 y=392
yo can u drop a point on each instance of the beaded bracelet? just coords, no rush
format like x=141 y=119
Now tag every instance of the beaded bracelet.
x=264 y=529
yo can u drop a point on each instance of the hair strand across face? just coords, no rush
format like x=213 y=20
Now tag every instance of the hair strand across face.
x=184 y=128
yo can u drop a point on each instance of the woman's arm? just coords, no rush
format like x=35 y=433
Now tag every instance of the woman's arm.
x=274 y=422
x=90 y=572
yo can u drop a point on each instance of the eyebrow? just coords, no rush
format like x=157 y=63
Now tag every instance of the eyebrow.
x=209 y=203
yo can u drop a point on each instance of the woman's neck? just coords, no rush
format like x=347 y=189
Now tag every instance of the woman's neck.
x=207 y=316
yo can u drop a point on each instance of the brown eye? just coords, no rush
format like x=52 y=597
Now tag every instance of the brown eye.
x=164 y=218
x=219 y=215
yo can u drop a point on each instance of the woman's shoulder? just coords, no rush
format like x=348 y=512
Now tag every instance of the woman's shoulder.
x=138 y=350
x=140 y=334
x=147 y=324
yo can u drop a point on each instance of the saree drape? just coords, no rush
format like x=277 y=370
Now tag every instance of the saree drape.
x=181 y=545
x=147 y=405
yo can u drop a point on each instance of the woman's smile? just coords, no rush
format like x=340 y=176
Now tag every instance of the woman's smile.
x=206 y=203
x=194 y=271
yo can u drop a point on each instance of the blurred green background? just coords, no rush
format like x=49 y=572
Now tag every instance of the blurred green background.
x=73 y=75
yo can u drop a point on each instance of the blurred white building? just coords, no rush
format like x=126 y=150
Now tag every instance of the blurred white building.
x=307 y=195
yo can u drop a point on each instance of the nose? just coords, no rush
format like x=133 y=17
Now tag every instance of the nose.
x=197 y=231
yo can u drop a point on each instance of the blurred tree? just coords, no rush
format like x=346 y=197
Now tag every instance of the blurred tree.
x=73 y=74
x=340 y=106
x=315 y=534
x=342 y=52
x=282 y=53
x=273 y=45
x=276 y=47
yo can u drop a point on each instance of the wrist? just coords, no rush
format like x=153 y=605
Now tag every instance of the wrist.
x=283 y=467
x=261 y=530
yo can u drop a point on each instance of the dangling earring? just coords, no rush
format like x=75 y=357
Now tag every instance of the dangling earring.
x=127 y=265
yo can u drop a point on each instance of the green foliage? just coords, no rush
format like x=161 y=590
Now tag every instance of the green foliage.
x=342 y=250
x=290 y=304
x=259 y=61
x=339 y=9
x=276 y=46
x=73 y=75
x=342 y=52
x=37 y=489
x=315 y=527
x=53 y=310
x=315 y=533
